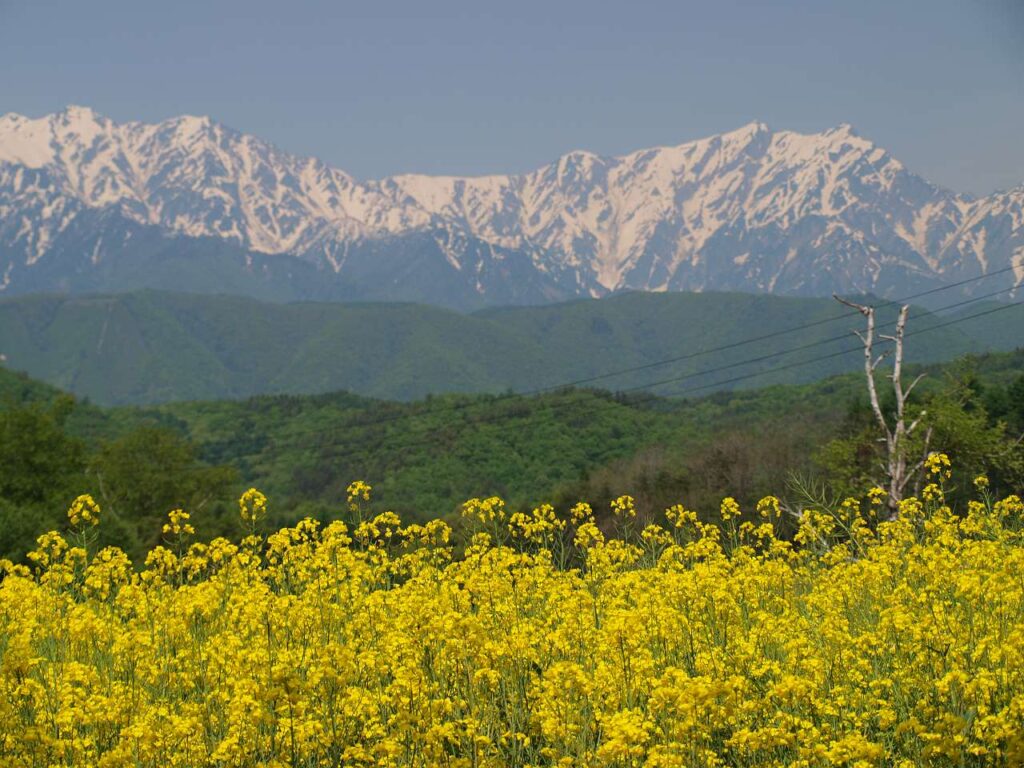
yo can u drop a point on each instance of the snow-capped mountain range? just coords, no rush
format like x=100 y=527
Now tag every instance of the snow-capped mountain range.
x=87 y=204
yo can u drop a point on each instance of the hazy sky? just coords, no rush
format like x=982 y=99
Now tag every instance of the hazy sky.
x=477 y=87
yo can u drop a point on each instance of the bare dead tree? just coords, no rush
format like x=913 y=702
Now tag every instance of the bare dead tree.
x=897 y=465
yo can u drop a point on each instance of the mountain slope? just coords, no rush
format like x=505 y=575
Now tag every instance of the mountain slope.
x=153 y=347
x=88 y=204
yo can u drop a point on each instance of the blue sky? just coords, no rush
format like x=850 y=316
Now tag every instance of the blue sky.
x=476 y=87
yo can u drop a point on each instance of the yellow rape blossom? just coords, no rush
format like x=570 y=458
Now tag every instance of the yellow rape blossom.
x=533 y=640
x=729 y=508
x=178 y=523
x=358 y=490
x=84 y=511
x=252 y=506
x=939 y=465
x=624 y=506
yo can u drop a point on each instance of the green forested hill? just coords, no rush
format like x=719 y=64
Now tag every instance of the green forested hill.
x=152 y=347
x=1002 y=329
x=426 y=457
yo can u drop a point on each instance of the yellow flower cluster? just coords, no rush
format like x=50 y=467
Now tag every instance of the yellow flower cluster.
x=358 y=490
x=938 y=464
x=551 y=640
x=537 y=526
x=84 y=510
x=730 y=509
x=252 y=506
x=178 y=523
x=624 y=506
x=490 y=510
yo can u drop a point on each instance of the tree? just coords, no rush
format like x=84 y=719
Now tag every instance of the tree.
x=37 y=457
x=150 y=471
x=1015 y=405
x=977 y=443
x=41 y=470
x=898 y=467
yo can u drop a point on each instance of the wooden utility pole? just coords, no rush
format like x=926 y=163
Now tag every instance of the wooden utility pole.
x=896 y=436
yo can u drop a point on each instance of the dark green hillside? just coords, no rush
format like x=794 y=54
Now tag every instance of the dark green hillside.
x=1003 y=329
x=632 y=329
x=153 y=347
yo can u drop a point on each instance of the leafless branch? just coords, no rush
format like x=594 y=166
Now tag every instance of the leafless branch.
x=914 y=383
x=896 y=434
x=915 y=422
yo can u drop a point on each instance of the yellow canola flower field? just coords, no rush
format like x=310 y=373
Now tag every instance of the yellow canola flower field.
x=548 y=641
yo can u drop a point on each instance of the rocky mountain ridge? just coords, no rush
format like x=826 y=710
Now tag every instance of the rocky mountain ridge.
x=88 y=204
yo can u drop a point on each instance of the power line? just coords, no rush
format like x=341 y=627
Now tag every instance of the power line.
x=454 y=408
x=772 y=335
x=744 y=377
x=810 y=345
x=699 y=388
x=457 y=407
x=842 y=352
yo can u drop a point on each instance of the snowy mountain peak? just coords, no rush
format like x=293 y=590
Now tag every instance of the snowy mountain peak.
x=749 y=209
x=75 y=113
x=843 y=129
x=192 y=125
x=25 y=141
x=748 y=132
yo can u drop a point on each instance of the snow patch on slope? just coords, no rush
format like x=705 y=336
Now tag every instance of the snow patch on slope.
x=753 y=209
